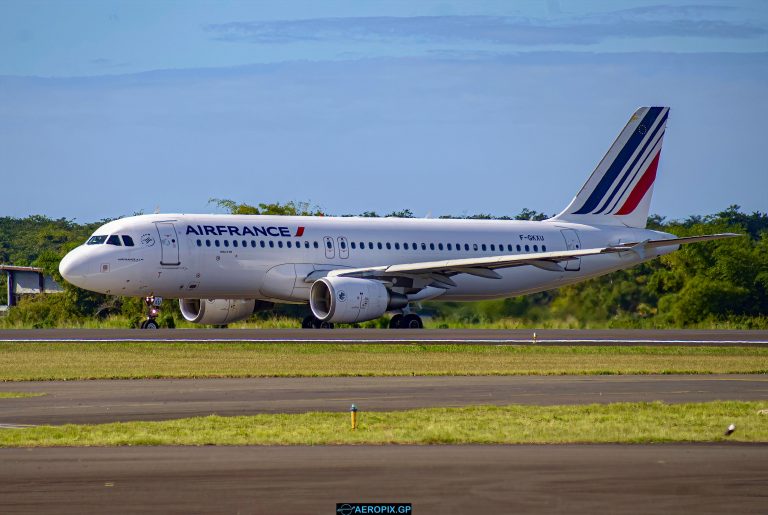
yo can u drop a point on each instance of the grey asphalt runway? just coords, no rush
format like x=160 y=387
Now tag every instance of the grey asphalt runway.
x=572 y=479
x=160 y=399
x=363 y=336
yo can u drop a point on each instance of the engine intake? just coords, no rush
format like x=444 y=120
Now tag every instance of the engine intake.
x=349 y=300
x=216 y=311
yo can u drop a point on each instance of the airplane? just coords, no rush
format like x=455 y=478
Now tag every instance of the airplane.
x=223 y=268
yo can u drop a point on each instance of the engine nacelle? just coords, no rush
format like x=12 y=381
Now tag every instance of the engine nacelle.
x=216 y=311
x=349 y=300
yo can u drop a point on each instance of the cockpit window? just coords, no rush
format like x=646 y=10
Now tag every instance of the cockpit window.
x=96 y=240
x=114 y=240
x=127 y=241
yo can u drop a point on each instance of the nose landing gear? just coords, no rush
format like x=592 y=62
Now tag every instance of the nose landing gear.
x=153 y=309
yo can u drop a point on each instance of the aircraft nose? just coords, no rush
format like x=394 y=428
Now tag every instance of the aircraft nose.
x=73 y=267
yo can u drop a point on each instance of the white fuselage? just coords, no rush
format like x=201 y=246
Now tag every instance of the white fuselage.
x=272 y=257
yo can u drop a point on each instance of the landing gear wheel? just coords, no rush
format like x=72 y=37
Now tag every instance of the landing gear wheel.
x=312 y=322
x=396 y=322
x=412 y=322
x=152 y=303
x=150 y=324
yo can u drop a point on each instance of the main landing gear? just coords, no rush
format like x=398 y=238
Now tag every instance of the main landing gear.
x=398 y=321
x=409 y=321
x=312 y=322
x=153 y=309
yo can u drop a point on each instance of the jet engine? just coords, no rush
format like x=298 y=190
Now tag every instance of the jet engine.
x=216 y=311
x=349 y=300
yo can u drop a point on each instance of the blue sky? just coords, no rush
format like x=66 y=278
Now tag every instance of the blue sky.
x=444 y=107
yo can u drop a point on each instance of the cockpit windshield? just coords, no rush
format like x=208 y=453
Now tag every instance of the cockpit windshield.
x=114 y=240
x=96 y=240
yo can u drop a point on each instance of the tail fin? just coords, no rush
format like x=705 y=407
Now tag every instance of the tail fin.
x=619 y=190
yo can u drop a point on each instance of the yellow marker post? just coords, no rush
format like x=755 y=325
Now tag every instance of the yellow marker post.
x=353 y=414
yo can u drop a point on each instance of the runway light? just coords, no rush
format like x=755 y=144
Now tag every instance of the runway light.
x=353 y=415
x=730 y=430
x=534 y=337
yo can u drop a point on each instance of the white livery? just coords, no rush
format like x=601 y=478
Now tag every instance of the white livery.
x=349 y=269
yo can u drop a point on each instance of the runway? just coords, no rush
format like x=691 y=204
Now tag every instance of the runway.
x=571 y=479
x=160 y=399
x=427 y=336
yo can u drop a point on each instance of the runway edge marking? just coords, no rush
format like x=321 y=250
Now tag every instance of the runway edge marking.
x=369 y=340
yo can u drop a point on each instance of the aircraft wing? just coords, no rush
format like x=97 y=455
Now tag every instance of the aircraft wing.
x=438 y=273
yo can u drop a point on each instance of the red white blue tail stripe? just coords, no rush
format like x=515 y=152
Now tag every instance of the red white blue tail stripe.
x=626 y=174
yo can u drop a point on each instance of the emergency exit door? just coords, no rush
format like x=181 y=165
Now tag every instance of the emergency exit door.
x=169 y=243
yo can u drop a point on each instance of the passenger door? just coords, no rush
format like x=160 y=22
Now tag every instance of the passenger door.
x=572 y=242
x=169 y=243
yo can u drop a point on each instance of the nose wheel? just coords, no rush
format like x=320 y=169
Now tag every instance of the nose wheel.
x=153 y=310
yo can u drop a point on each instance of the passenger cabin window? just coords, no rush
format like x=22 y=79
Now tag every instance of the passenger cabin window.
x=96 y=240
x=114 y=240
x=127 y=241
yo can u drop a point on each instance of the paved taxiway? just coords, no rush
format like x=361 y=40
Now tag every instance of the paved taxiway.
x=436 y=479
x=153 y=399
x=363 y=336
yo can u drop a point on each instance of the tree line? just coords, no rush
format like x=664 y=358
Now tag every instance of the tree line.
x=722 y=283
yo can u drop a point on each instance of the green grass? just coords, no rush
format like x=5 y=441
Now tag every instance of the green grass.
x=47 y=361
x=19 y=395
x=600 y=423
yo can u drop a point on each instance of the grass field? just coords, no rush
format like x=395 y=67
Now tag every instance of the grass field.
x=618 y=423
x=48 y=361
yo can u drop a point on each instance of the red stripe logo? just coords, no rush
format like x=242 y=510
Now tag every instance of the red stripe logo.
x=299 y=232
x=641 y=188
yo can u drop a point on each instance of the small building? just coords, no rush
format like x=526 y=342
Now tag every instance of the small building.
x=26 y=280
